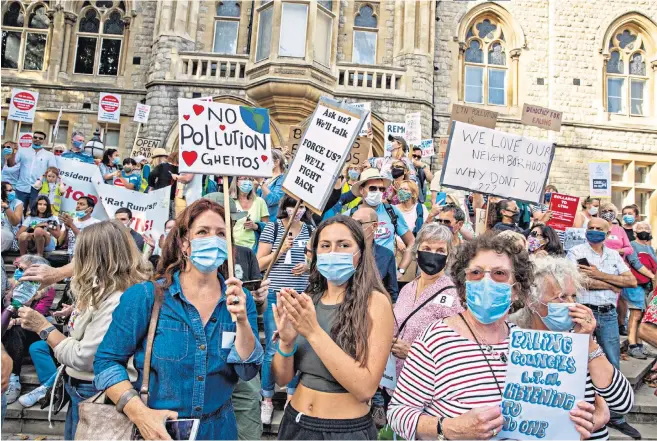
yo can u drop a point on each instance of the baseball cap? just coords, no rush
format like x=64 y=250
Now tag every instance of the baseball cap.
x=400 y=140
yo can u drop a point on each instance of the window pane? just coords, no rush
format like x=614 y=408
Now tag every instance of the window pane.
x=641 y=174
x=293 y=30
x=364 y=47
x=114 y=24
x=618 y=171
x=14 y=16
x=264 y=34
x=225 y=36
x=496 y=86
x=615 y=63
x=618 y=197
x=39 y=19
x=474 y=84
x=474 y=54
x=615 y=95
x=486 y=29
x=496 y=55
x=86 y=52
x=109 y=57
x=105 y=4
x=322 y=46
x=328 y=4
x=112 y=139
x=625 y=38
x=636 y=104
x=11 y=45
x=637 y=65
x=35 y=49
x=643 y=201
x=365 y=18
x=228 y=9
x=62 y=133
x=90 y=22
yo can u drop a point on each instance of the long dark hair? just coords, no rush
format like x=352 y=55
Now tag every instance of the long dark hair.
x=553 y=245
x=352 y=327
x=48 y=212
x=4 y=191
x=106 y=157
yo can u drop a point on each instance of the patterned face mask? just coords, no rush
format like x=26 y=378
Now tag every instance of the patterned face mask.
x=609 y=216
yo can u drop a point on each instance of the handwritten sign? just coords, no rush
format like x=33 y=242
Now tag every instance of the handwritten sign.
x=294 y=137
x=323 y=151
x=564 y=209
x=359 y=152
x=368 y=121
x=224 y=139
x=600 y=178
x=394 y=129
x=141 y=113
x=541 y=117
x=496 y=163
x=413 y=128
x=480 y=221
x=443 y=142
x=545 y=378
x=474 y=116
x=22 y=105
x=144 y=147
x=427 y=148
x=109 y=108
x=80 y=180
x=574 y=237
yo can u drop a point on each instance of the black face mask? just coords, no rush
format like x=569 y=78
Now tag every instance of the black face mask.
x=431 y=263
x=397 y=172
x=644 y=235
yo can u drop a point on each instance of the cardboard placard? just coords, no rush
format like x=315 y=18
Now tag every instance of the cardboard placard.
x=427 y=148
x=474 y=116
x=480 y=220
x=80 y=180
x=564 y=209
x=22 y=105
x=359 y=151
x=368 y=121
x=574 y=237
x=443 y=142
x=142 y=111
x=109 y=108
x=25 y=140
x=224 y=139
x=394 y=129
x=545 y=379
x=541 y=117
x=323 y=151
x=600 y=178
x=293 y=139
x=413 y=122
x=144 y=147
x=496 y=163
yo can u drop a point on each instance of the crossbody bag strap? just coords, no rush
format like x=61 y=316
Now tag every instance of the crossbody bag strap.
x=401 y=327
x=155 y=314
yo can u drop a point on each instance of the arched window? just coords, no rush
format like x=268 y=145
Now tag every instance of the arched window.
x=100 y=39
x=226 y=27
x=27 y=37
x=365 y=35
x=486 y=63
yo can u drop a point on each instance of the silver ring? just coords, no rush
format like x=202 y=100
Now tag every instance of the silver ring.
x=235 y=300
x=494 y=432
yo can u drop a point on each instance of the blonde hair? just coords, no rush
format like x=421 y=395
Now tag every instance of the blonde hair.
x=608 y=206
x=233 y=189
x=415 y=190
x=106 y=260
x=157 y=161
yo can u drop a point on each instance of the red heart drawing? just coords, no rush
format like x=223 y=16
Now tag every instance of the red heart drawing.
x=222 y=127
x=186 y=117
x=189 y=158
x=264 y=158
x=198 y=109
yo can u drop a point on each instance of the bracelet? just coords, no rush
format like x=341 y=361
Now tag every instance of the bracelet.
x=125 y=397
x=596 y=353
x=288 y=354
x=439 y=429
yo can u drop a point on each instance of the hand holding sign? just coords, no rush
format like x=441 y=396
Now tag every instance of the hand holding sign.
x=479 y=423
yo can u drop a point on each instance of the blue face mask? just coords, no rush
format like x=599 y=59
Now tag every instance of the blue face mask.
x=487 y=299
x=403 y=195
x=18 y=274
x=595 y=236
x=628 y=219
x=558 y=317
x=353 y=174
x=116 y=161
x=208 y=253
x=336 y=267
x=246 y=186
x=11 y=196
x=80 y=214
x=77 y=144
x=37 y=146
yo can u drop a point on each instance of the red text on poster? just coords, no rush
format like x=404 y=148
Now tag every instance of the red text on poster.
x=564 y=209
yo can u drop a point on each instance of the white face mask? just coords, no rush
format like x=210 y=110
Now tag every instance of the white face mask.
x=593 y=211
x=374 y=198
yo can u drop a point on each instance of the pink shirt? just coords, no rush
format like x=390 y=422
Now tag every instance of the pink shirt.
x=618 y=240
x=446 y=304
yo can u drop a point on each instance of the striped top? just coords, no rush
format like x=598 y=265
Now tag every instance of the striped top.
x=281 y=273
x=619 y=397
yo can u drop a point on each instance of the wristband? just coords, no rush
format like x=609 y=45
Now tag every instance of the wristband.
x=284 y=354
x=125 y=397
x=439 y=429
x=596 y=353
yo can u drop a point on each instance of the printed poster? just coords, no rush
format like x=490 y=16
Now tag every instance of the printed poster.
x=109 y=108
x=22 y=106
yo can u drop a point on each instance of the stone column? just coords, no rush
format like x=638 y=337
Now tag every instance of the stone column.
x=69 y=20
x=515 y=72
x=51 y=14
x=126 y=41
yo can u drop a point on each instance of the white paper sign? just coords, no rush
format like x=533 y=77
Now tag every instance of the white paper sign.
x=224 y=139
x=427 y=148
x=545 y=379
x=22 y=105
x=413 y=128
x=79 y=179
x=496 y=163
x=600 y=178
x=141 y=113
x=574 y=237
x=394 y=129
x=109 y=108
x=368 y=121
x=389 y=379
x=25 y=140
x=322 y=152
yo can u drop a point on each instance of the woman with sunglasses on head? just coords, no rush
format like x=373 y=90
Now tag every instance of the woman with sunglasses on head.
x=337 y=334
x=468 y=351
x=544 y=241
x=399 y=172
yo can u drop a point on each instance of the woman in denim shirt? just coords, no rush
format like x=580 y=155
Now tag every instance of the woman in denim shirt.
x=199 y=352
x=272 y=190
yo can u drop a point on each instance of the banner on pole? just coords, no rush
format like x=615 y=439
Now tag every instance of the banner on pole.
x=55 y=130
x=142 y=111
x=413 y=128
x=600 y=178
x=394 y=129
x=144 y=147
x=80 y=180
x=109 y=108
x=22 y=105
x=224 y=139
x=564 y=209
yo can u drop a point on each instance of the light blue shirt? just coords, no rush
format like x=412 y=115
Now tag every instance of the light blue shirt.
x=33 y=165
x=385 y=234
x=10 y=174
x=609 y=263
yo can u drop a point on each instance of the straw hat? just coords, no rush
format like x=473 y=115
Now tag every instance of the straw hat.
x=369 y=174
x=159 y=152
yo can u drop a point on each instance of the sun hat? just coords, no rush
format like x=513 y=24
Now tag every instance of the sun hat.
x=369 y=174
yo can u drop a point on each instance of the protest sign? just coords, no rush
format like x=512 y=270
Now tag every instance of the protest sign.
x=413 y=128
x=296 y=132
x=443 y=142
x=427 y=148
x=109 y=108
x=545 y=378
x=480 y=220
x=389 y=379
x=564 y=209
x=496 y=163
x=141 y=113
x=368 y=121
x=55 y=129
x=25 y=140
x=359 y=152
x=600 y=178
x=80 y=179
x=144 y=147
x=541 y=117
x=22 y=105
x=224 y=139
x=473 y=115
x=394 y=129
x=323 y=151
x=574 y=237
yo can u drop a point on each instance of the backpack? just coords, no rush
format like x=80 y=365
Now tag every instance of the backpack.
x=647 y=261
x=391 y=213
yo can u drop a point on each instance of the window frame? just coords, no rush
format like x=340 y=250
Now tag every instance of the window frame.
x=374 y=31
x=99 y=37
x=486 y=45
x=219 y=18
x=264 y=6
x=304 y=27
x=329 y=41
x=24 y=30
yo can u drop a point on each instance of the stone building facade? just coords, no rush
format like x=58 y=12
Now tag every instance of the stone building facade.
x=595 y=60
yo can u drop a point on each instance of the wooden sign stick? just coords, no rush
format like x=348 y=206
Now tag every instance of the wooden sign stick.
x=135 y=141
x=18 y=132
x=280 y=244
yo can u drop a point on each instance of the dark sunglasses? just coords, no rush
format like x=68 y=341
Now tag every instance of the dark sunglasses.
x=417 y=157
x=535 y=234
x=38 y=138
x=375 y=188
x=445 y=222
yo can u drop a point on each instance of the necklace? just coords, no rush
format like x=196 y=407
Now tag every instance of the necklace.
x=489 y=349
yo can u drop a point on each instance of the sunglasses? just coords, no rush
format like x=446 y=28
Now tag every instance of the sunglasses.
x=535 y=234
x=38 y=138
x=445 y=222
x=417 y=157
x=375 y=188
x=501 y=275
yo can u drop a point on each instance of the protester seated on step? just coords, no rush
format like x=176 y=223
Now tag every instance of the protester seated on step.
x=109 y=166
x=76 y=152
x=17 y=340
x=53 y=188
x=83 y=211
x=552 y=306
x=12 y=216
x=40 y=230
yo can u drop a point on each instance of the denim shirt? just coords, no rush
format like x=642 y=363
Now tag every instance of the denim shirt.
x=274 y=197
x=193 y=369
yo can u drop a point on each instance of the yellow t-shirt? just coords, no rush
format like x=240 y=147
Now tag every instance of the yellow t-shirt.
x=242 y=236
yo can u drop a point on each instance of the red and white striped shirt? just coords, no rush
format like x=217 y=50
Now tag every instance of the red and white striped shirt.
x=447 y=375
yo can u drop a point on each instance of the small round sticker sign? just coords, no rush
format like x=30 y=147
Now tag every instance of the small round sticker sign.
x=24 y=101
x=25 y=140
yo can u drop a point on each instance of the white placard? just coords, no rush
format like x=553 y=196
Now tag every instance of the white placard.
x=574 y=237
x=389 y=379
x=141 y=113
x=496 y=163
x=545 y=379
x=600 y=178
x=322 y=152
x=55 y=130
x=25 y=140
x=394 y=129
x=79 y=179
x=109 y=107
x=413 y=128
x=224 y=139
x=22 y=105
x=144 y=147
x=427 y=148
x=368 y=121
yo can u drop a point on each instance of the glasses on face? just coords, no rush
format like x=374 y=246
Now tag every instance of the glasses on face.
x=375 y=188
x=363 y=223
x=535 y=234
x=417 y=157
x=445 y=222
x=502 y=275
x=38 y=138
x=564 y=298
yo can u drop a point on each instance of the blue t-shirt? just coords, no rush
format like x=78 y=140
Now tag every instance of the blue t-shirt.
x=132 y=178
x=385 y=236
